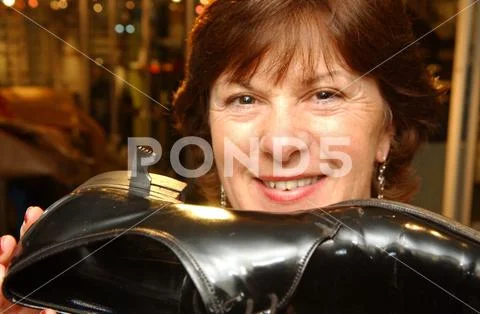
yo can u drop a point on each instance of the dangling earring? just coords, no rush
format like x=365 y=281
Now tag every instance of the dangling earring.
x=381 y=180
x=223 y=197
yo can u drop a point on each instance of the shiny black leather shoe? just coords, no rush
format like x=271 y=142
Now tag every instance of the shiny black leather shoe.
x=117 y=245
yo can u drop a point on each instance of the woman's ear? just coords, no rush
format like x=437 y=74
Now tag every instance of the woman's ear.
x=384 y=144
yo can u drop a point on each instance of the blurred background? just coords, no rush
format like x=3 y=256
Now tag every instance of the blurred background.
x=78 y=77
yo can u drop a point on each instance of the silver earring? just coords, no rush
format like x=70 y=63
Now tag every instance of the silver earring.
x=381 y=180
x=223 y=197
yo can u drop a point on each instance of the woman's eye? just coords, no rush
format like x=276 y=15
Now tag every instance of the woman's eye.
x=246 y=100
x=326 y=95
x=243 y=100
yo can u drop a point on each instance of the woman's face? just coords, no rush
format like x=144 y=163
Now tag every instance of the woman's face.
x=298 y=144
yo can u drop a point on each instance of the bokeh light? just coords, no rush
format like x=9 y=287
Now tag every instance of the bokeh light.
x=62 y=4
x=33 y=3
x=54 y=5
x=130 y=29
x=155 y=67
x=199 y=9
x=99 y=61
x=130 y=5
x=9 y=3
x=119 y=28
x=98 y=8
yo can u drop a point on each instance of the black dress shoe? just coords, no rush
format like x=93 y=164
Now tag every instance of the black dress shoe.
x=114 y=246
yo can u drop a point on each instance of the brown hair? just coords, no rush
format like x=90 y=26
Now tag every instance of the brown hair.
x=366 y=36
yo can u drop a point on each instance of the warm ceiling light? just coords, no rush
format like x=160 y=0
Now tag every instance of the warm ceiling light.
x=33 y=3
x=9 y=3
x=54 y=5
x=130 y=5
x=62 y=4
x=98 y=8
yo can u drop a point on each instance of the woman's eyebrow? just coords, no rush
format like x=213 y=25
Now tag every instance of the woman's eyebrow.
x=244 y=84
x=331 y=75
x=340 y=75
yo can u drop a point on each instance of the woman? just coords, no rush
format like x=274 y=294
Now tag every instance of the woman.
x=303 y=72
x=307 y=93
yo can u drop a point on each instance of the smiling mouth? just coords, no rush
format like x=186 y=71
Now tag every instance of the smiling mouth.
x=291 y=184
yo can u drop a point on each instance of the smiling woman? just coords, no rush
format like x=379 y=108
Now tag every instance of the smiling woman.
x=341 y=110
x=319 y=84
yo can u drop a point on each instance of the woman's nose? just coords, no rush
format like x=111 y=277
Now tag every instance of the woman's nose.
x=284 y=137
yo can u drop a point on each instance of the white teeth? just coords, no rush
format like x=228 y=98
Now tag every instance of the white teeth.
x=292 y=184
x=281 y=185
